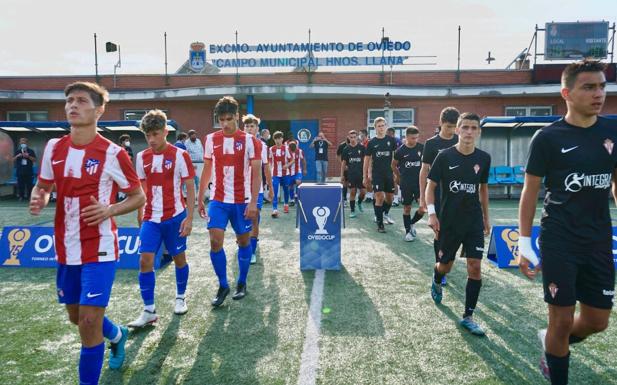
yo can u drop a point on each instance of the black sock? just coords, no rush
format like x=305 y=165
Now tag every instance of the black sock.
x=407 y=222
x=386 y=207
x=416 y=217
x=437 y=276
x=575 y=339
x=558 y=367
x=472 y=291
x=344 y=193
x=360 y=199
x=379 y=215
x=352 y=204
x=436 y=249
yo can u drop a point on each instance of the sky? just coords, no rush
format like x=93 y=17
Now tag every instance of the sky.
x=56 y=37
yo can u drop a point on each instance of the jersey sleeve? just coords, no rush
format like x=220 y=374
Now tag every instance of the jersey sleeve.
x=435 y=173
x=301 y=154
x=429 y=154
x=369 y=150
x=122 y=172
x=397 y=154
x=255 y=149
x=485 y=169
x=46 y=174
x=208 y=148
x=264 y=153
x=187 y=171
x=345 y=155
x=139 y=166
x=538 y=155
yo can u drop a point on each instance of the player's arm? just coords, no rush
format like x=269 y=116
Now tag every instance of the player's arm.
x=251 y=210
x=206 y=174
x=526 y=212
x=343 y=168
x=424 y=170
x=484 y=205
x=187 y=224
x=614 y=187
x=365 y=170
x=140 y=210
x=98 y=212
x=395 y=171
x=303 y=166
x=268 y=174
x=429 y=195
x=39 y=197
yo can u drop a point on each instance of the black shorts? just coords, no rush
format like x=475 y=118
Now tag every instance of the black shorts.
x=383 y=183
x=569 y=276
x=451 y=238
x=354 y=181
x=409 y=194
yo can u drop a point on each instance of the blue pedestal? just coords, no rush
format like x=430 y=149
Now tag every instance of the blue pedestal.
x=319 y=216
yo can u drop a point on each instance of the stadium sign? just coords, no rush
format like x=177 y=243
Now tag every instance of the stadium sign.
x=567 y=41
x=33 y=246
x=503 y=246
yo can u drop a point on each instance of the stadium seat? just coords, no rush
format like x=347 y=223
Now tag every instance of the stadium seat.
x=519 y=174
x=491 y=177
x=504 y=175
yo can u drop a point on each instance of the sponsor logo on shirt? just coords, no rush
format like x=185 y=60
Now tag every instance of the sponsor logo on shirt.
x=412 y=164
x=456 y=187
x=92 y=166
x=380 y=154
x=168 y=164
x=355 y=160
x=575 y=181
x=238 y=146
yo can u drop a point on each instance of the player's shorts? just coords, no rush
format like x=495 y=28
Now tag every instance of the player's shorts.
x=354 y=181
x=260 y=201
x=88 y=284
x=383 y=183
x=409 y=194
x=152 y=234
x=452 y=237
x=570 y=276
x=219 y=214
x=294 y=178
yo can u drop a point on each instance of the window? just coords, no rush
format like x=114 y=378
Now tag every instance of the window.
x=397 y=118
x=27 y=116
x=529 y=111
x=138 y=114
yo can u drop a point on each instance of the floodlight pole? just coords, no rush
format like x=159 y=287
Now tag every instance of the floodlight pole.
x=166 y=74
x=117 y=65
x=96 y=61
x=237 y=70
x=612 y=42
x=458 y=63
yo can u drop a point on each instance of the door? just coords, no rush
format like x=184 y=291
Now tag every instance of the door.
x=305 y=131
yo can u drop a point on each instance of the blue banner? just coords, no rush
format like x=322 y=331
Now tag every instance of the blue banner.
x=503 y=246
x=33 y=246
x=319 y=213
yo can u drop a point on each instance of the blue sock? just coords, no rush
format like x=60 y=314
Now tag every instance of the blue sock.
x=219 y=262
x=110 y=329
x=285 y=194
x=90 y=364
x=182 y=278
x=147 y=281
x=254 y=244
x=275 y=188
x=244 y=262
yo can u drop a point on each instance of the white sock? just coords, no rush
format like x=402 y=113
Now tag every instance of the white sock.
x=181 y=296
x=117 y=338
x=149 y=308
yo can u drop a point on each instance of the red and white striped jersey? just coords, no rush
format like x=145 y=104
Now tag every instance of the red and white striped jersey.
x=97 y=169
x=231 y=157
x=278 y=156
x=164 y=174
x=296 y=159
x=264 y=162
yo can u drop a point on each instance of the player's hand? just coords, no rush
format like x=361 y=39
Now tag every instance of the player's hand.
x=366 y=182
x=422 y=204
x=523 y=265
x=186 y=226
x=37 y=202
x=433 y=223
x=201 y=208
x=251 y=211
x=487 y=227
x=96 y=212
x=270 y=194
x=527 y=255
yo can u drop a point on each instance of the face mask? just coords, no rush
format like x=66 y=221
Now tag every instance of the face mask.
x=23 y=146
x=127 y=143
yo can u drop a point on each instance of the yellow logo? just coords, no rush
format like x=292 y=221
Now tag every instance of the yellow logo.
x=17 y=239
x=510 y=237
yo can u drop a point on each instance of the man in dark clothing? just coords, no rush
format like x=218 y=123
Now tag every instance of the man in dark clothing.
x=24 y=165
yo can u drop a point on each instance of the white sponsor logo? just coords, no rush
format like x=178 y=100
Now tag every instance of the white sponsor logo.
x=55 y=162
x=479 y=248
x=321 y=214
x=380 y=154
x=608 y=293
x=412 y=164
x=575 y=182
x=453 y=167
x=564 y=150
x=456 y=186
x=146 y=165
x=90 y=295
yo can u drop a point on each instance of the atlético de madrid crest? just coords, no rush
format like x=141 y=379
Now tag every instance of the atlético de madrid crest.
x=608 y=144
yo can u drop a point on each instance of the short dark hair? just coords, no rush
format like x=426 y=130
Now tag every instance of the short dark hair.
x=124 y=137
x=352 y=132
x=570 y=73
x=226 y=105
x=390 y=129
x=449 y=115
x=98 y=94
x=182 y=135
x=277 y=135
x=154 y=120
x=292 y=145
x=364 y=131
x=412 y=130
x=468 y=116
x=250 y=118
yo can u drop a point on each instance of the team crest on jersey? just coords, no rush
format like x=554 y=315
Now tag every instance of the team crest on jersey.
x=608 y=144
x=553 y=289
x=476 y=168
x=238 y=146
x=92 y=166
x=168 y=164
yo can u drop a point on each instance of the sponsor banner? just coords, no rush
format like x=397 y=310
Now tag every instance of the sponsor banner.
x=503 y=246
x=33 y=246
x=319 y=213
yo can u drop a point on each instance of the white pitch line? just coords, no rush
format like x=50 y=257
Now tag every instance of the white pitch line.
x=310 y=353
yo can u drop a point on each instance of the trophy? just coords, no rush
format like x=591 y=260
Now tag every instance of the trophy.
x=321 y=215
x=17 y=239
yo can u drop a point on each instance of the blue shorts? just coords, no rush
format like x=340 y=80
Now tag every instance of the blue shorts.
x=220 y=213
x=152 y=234
x=260 y=201
x=295 y=177
x=89 y=284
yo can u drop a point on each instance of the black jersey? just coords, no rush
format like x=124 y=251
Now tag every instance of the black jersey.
x=354 y=157
x=381 y=152
x=435 y=145
x=341 y=147
x=409 y=164
x=459 y=177
x=577 y=164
